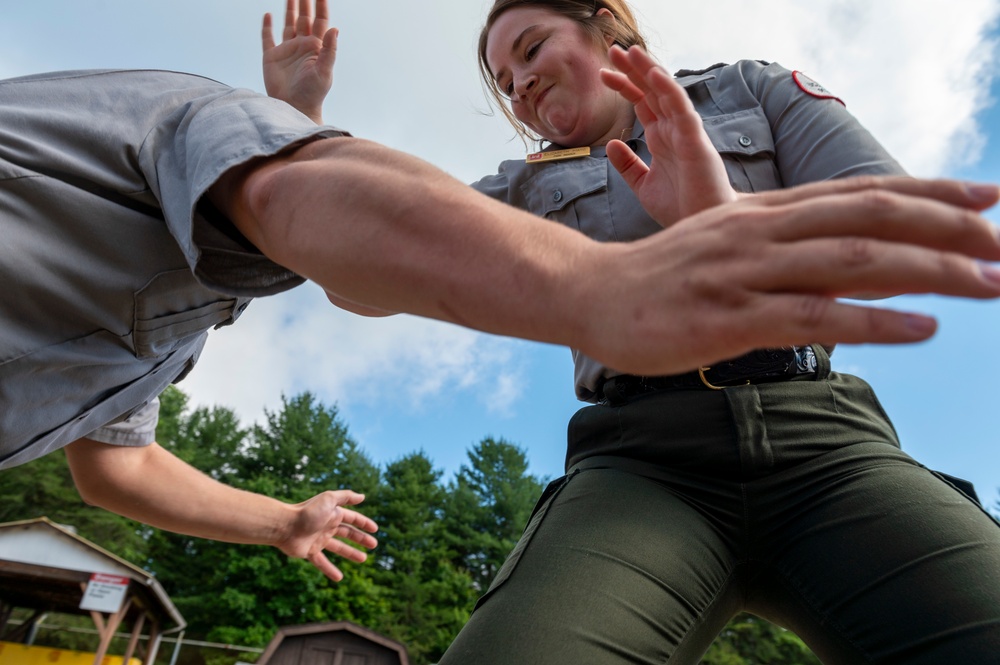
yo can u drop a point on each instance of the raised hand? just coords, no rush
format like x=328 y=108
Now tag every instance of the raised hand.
x=323 y=525
x=686 y=175
x=299 y=71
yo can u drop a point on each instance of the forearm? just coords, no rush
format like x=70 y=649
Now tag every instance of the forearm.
x=152 y=486
x=380 y=228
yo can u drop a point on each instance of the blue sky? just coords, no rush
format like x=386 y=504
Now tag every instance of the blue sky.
x=920 y=74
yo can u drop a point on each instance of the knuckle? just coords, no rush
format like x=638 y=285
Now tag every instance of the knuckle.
x=853 y=251
x=876 y=322
x=881 y=202
x=865 y=182
x=811 y=311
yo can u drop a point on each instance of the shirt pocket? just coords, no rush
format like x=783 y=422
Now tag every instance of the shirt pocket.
x=171 y=308
x=568 y=192
x=745 y=142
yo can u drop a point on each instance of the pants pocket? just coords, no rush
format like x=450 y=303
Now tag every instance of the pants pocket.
x=538 y=514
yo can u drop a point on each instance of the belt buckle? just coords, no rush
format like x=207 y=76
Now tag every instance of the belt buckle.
x=763 y=365
x=709 y=384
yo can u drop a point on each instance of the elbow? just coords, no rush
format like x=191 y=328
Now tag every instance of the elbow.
x=100 y=471
x=90 y=490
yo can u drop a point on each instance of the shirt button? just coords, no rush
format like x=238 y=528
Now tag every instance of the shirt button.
x=745 y=141
x=557 y=196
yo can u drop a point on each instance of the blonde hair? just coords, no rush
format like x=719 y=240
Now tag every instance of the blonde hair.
x=623 y=29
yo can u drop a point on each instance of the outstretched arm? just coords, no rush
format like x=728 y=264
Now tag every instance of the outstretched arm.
x=299 y=70
x=385 y=229
x=184 y=500
x=686 y=175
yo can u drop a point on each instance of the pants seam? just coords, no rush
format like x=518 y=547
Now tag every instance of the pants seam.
x=822 y=618
x=700 y=619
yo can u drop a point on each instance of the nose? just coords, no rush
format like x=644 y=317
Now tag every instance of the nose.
x=524 y=85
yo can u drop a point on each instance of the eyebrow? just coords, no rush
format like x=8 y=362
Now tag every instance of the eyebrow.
x=515 y=47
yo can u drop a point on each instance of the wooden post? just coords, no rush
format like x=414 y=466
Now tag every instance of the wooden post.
x=153 y=644
x=6 y=611
x=109 y=627
x=136 y=629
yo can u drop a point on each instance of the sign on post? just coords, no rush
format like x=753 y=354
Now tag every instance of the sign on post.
x=104 y=593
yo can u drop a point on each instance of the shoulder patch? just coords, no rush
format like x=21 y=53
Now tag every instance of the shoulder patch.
x=811 y=87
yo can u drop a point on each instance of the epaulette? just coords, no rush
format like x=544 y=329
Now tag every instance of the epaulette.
x=699 y=72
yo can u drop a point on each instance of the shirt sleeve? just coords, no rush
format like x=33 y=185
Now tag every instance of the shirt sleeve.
x=138 y=429
x=815 y=138
x=496 y=186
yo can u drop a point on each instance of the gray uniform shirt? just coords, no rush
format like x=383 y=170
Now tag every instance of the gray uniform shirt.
x=113 y=263
x=770 y=131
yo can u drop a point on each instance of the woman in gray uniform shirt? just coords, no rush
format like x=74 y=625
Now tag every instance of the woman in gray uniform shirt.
x=767 y=483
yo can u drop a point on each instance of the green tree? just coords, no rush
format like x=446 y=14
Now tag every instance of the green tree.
x=428 y=599
x=749 y=640
x=44 y=488
x=241 y=594
x=489 y=504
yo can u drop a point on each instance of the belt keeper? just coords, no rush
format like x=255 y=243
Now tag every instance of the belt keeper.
x=613 y=392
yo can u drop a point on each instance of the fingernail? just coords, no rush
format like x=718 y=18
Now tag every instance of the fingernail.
x=922 y=325
x=991 y=273
x=982 y=192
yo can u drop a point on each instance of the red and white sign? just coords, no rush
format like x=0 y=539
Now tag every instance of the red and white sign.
x=104 y=593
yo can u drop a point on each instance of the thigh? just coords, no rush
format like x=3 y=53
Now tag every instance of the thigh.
x=881 y=561
x=613 y=568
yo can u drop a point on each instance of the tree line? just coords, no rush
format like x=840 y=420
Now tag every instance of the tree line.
x=441 y=541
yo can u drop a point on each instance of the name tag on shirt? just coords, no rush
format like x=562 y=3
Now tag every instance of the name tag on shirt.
x=556 y=155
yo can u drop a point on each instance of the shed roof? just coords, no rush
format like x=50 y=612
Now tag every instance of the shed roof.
x=43 y=564
x=329 y=627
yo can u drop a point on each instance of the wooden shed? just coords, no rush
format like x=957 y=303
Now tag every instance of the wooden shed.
x=45 y=567
x=332 y=643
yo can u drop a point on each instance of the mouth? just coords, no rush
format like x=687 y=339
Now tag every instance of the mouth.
x=537 y=101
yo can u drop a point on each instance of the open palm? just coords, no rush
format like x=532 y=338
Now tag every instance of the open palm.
x=686 y=175
x=299 y=70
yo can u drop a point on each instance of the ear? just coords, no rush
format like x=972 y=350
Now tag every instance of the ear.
x=609 y=39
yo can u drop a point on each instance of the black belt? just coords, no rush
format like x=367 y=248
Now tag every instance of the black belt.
x=762 y=366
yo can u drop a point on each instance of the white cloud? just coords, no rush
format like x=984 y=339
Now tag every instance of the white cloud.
x=297 y=341
x=914 y=71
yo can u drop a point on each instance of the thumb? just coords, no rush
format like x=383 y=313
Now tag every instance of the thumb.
x=328 y=54
x=626 y=162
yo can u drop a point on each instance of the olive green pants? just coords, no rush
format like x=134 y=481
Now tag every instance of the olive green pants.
x=789 y=500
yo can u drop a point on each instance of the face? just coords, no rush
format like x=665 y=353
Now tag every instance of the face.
x=549 y=68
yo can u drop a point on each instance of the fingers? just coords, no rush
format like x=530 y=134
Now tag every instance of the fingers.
x=290 y=16
x=642 y=81
x=620 y=83
x=344 y=550
x=358 y=521
x=303 y=25
x=267 y=34
x=322 y=21
x=346 y=497
x=840 y=267
x=926 y=213
x=805 y=317
x=975 y=196
x=326 y=566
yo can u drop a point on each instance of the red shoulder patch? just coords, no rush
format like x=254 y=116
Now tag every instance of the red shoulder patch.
x=811 y=87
